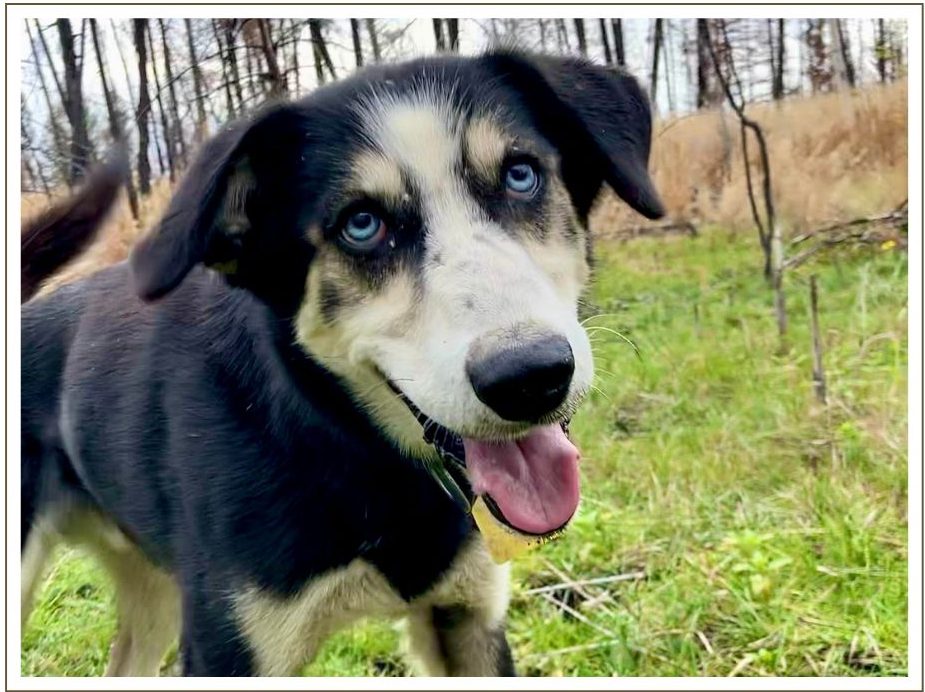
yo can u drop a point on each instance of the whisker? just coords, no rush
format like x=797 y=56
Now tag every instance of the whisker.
x=606 y=372
x=594 y=317
x=625 y=338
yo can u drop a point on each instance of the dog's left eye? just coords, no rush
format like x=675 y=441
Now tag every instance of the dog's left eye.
x=363 y=230
x=521 y=179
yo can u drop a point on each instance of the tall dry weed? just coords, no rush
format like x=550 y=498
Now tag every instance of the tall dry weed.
x=833 y=157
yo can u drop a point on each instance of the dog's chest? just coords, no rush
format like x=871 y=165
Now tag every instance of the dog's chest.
x=281 y=630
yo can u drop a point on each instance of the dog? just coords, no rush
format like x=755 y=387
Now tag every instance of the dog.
x=64 y=230
x=348 y=295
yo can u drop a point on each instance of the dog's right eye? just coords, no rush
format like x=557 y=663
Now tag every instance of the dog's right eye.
x=363 y=230
x=521 y=179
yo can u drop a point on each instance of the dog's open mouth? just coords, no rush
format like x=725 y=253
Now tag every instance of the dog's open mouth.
x=530 y=484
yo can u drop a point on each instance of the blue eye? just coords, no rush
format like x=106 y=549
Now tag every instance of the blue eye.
x=363 y=230
x=521 y=179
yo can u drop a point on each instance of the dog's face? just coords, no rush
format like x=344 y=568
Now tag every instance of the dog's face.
x=453 y=240
x=424 y=226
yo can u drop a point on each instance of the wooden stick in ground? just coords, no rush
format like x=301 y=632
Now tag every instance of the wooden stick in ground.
x=898 y=215
x=581 y=617
x=777 y=282
x=574 y=649
x=818 y=370
x=569 y=581
x=630 y=576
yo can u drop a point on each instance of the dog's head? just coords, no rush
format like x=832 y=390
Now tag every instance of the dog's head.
x=424 y=226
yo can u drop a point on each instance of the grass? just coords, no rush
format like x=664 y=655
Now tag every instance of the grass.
x=771 y=530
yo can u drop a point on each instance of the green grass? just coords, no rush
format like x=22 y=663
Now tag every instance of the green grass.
x=771 y=530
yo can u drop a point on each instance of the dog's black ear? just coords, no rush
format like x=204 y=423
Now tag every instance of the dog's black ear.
x=208 y=218
x=599 y=120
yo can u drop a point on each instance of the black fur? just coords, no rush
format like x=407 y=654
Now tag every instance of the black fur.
x=189 y=417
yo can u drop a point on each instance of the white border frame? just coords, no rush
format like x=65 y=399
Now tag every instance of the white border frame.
x=914 y=16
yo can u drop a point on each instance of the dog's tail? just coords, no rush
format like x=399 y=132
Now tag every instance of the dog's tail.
x=62 y=232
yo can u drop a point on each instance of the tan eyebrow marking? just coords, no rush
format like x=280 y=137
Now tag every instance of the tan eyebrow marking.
x=377 y=176
x=486 y=145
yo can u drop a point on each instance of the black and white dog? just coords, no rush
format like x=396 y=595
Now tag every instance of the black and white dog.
x=242 y=421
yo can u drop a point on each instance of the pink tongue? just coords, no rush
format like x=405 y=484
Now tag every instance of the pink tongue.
x=534 y=480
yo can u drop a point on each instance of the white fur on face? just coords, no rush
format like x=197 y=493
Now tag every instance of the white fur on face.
x=477 y=278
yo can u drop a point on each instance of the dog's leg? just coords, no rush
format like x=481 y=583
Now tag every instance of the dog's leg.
x=458 y=641
x=147 y=604
x=212 y=642
x=459 y=629
x=38 y=545
x=149 y=616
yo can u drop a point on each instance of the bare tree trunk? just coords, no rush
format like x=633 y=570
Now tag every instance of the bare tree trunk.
x=896 y=56
x=35 y=171
x=656 y=51
x=165 y=123
x=125 y=70
x=608 y=58
x=668 y=61
x=373 y=39
x=881 y=50
x=541 y=24
x=319 y=64
x=33 y=178
x=562 y=36
x=357 y=45
x=277 y=81
x=179 y=139
x=51 y=63
x=452 y=30
x=255 y=84
x=580 y=33
x=687 y=50
x=231 y=47
x=58 y=136
x=777 y=283
x=144 y=106
x=73 y=104
x=314 y=26
x=772 y=55
x=841 y=54
x=768 y=231
x=438 y=34
x=226 y=73
x=820 y=74
x=115 y=120
x=617 y=26
x=198 y=90
x=296 y=30
x=818 y=368
x=703 y=64
x=778 y=85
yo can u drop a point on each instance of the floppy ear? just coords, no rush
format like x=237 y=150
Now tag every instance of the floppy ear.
x=209 y=218
x=599 y=120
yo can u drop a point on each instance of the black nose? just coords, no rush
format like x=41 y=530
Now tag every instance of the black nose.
x=525 y=382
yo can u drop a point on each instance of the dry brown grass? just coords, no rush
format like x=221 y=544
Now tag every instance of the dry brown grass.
x=833 y=157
